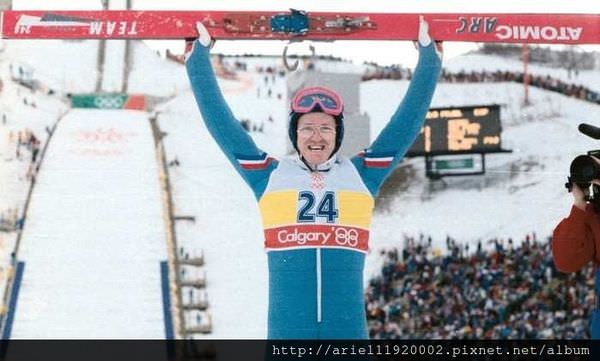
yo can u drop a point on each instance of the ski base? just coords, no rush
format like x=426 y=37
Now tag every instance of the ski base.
x=298 y=25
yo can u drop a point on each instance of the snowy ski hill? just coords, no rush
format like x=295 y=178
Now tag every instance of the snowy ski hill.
x=70 y=66
x=94 y=238
x=521 y=193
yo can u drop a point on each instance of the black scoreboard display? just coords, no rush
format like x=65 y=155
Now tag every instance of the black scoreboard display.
x=474 y=129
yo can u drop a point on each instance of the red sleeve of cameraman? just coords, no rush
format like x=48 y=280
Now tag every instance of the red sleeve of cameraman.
x=575 y=238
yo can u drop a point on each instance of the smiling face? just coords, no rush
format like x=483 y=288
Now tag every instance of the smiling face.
x=316 y=137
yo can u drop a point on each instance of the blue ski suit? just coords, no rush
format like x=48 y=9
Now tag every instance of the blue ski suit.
x=316 y=224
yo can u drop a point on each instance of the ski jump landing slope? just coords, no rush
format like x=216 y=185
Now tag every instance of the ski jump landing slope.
x=94 y=235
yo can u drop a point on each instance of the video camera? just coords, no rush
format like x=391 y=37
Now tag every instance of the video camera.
x=585 y=168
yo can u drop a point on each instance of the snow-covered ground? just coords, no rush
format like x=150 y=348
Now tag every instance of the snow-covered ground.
x=71 y=67
x=521 y=193
x=20 y=112
x=95 y=234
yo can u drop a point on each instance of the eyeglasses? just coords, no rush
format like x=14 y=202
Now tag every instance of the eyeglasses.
x=305 y=101
x=310 y=130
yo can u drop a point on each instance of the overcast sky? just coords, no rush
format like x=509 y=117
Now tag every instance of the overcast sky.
x=381 y=52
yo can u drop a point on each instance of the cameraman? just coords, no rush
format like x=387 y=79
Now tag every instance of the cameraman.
x=576 y=242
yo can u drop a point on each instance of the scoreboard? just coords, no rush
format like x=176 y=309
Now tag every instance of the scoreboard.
x=474 y=129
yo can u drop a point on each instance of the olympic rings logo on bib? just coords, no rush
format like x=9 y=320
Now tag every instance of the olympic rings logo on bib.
x=346 y=237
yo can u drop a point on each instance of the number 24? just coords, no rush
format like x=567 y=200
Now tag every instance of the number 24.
x=325 y=209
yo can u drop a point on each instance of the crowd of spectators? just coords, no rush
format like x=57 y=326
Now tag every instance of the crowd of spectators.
x=24 y=76
x=21 y=144
x=394 y=72
x=544 y=82
x=507 y=292
x=11 y=220
x=26 y=147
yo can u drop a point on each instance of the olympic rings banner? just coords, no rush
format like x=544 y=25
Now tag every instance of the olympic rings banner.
x=108 y=101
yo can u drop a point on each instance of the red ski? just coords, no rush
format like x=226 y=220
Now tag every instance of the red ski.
x=295 y=24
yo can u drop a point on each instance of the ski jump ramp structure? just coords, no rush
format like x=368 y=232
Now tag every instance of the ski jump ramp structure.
x=92 y=248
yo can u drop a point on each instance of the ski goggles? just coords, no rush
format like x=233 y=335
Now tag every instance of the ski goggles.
x=307 y=99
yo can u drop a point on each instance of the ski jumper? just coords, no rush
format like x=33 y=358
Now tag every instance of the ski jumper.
x=575 y=242
x=316 y=224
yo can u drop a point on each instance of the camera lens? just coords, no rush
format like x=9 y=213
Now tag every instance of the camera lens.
x=584 y=168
